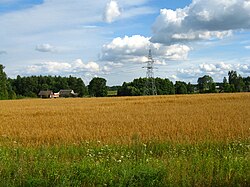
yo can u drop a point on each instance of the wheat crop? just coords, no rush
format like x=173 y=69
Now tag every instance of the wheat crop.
x=186 y=118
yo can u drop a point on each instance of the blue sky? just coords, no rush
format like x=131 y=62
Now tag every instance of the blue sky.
x=111 y=38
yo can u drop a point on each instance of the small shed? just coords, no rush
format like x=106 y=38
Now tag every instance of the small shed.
x=46 y=94
x=67 y=93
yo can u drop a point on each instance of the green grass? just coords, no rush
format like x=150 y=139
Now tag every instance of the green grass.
x=150 y=164
x=112 y=93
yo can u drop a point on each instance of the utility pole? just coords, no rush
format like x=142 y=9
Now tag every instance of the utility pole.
x=150 y=88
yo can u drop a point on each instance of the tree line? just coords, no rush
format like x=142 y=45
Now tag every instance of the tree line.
x=21 y=87
x=30 y=86
x=205 y=84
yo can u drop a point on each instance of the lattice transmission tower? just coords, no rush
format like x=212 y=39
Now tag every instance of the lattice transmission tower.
x=150 y=88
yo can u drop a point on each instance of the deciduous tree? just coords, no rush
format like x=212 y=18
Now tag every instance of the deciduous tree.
x=97 y=87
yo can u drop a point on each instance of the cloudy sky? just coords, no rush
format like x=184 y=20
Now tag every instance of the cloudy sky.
x=111 y=38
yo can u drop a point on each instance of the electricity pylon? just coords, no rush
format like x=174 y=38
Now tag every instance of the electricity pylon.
x=150 y=88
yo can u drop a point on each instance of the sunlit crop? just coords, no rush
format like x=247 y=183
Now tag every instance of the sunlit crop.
x=191 y=118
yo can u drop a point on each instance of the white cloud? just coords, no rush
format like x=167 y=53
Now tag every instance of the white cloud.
x=49 y=67
x=216 y=67
x=244 y=68
x=118 y=9
x=208 y=67
x=224 y=66
x=46 y=48
x=55 y=68
x=78 y=65
x=135 y=48
x=247 y=47
x=201 y=20
x=217 y=70
x=188 y=73
x=112 y=11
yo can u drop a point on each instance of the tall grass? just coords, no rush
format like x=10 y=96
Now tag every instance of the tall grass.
x=150 y=164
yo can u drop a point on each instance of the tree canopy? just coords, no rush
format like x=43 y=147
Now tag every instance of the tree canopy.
x=97 y=87
x=31 y=86
x=137 y=87
x=206 y=84
x=3 y=84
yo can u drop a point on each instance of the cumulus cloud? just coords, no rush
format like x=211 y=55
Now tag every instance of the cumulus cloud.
x=112 y=11
x=190 y=73
x=244 y=68
x=46 y=48
x=217 y=70
x=49 y=67
x=135 y=49
x=53 y=67
x=201 y=20
x=79 y=65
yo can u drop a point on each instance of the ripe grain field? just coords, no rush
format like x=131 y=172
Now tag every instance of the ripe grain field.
x=191 y=118
x=188 y=140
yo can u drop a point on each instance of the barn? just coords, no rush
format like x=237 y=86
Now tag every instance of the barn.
x=46 y=94
x=67 y=93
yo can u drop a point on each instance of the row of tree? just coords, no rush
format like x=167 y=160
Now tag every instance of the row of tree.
x=31 y=86
x=205 y=84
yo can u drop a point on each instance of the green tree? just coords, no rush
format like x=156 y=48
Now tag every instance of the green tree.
x=236 y=81
x=3 y=84
x=11 y=92
x=180 y=87
x=206 y=84
x=80 y=87
x=190 y=88
x=97 y=87
x=137 y=87
x=164 y=86
x=246 y=84
x=226 y=85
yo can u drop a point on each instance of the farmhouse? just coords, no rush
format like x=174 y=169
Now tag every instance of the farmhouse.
x=46 y=94
x=67 y=93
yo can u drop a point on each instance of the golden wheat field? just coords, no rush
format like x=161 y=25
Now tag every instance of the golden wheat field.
x=187 y=118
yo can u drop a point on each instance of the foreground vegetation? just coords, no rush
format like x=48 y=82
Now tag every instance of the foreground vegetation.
x=191 y=140
x=151 y=164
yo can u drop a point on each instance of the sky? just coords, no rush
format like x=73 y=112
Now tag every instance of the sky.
x=111 y=38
